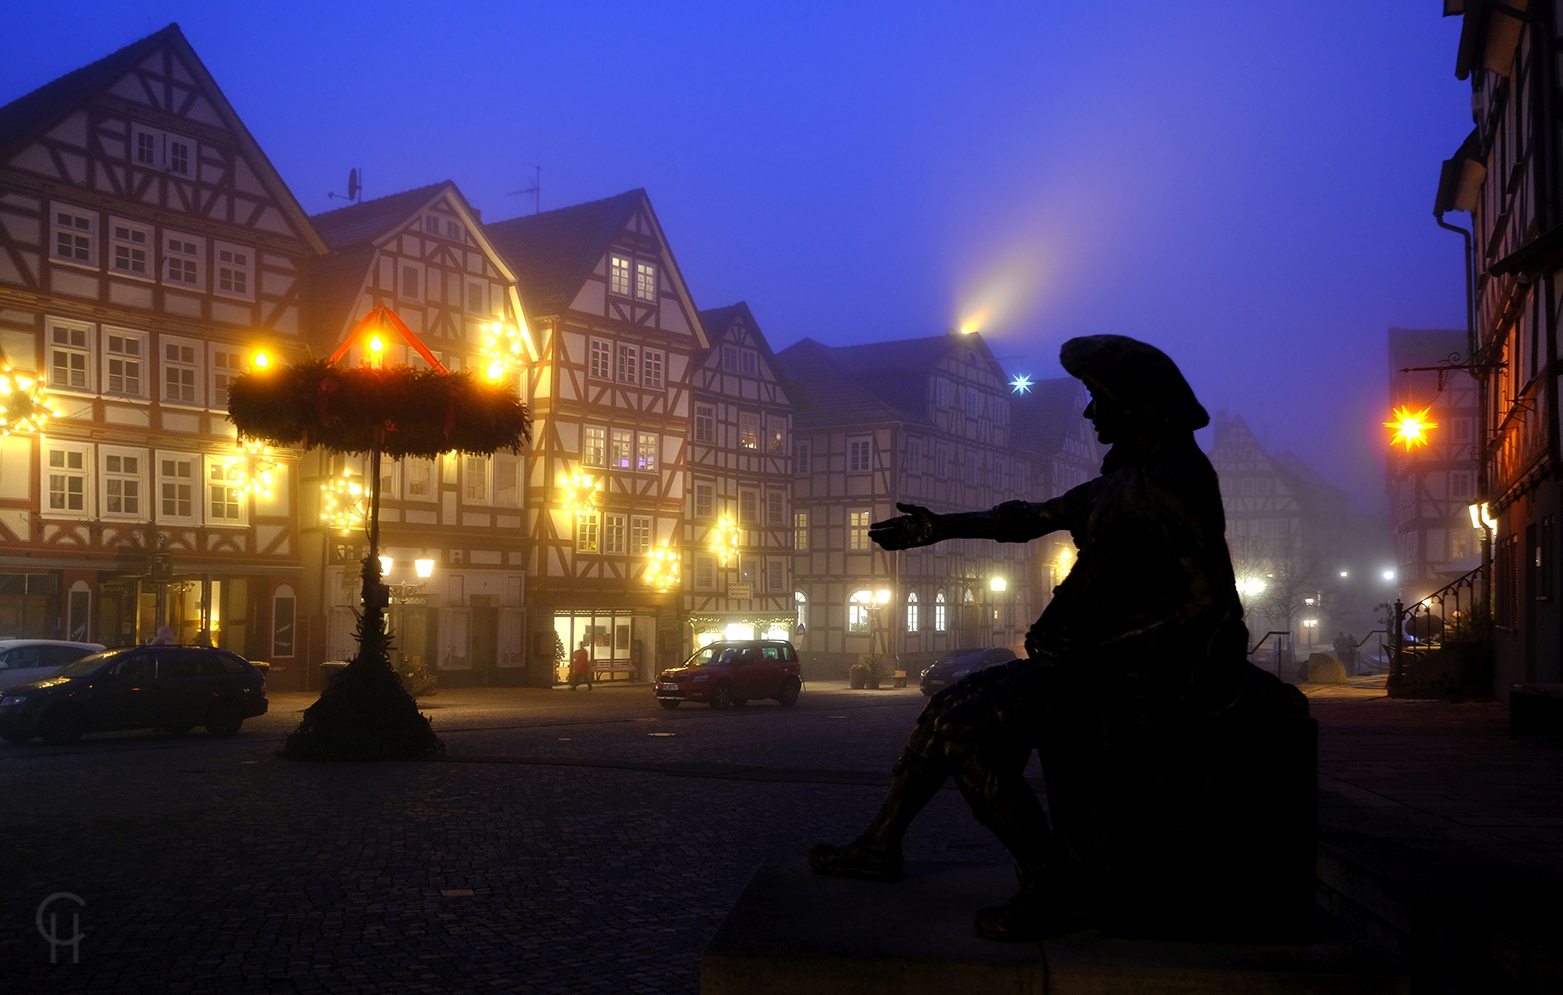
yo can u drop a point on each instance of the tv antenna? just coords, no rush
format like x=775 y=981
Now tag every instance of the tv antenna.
x=355 y=187
x=536 y=189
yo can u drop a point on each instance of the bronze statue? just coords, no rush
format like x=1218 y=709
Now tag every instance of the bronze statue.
x=1143 y=639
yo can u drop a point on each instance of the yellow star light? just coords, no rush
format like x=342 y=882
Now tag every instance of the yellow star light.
x=1410 y=427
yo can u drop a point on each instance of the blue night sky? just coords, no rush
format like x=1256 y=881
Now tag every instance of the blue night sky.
x=1249 y=186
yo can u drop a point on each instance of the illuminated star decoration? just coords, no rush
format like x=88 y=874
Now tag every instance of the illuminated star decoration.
x=1021 y=384
x=1410 y=427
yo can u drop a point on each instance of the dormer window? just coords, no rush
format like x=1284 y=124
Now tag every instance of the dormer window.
x=645 y=281
x=153 y=149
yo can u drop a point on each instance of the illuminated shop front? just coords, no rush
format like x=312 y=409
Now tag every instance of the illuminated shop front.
x=707 y=629
x=618 y=644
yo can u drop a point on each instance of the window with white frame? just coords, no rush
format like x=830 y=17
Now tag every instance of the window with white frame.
x=911 y=611
x=705 y=423
x=938 y=612
x=181 y=155
x=235 y=271
x=181 y=372
x=858 y=607
x=475 y=479
x=146 y=147
x=751 y=363
x=70 y=357
x=411 y=285
x=705 y=572
x=748 y=430
x=651 y=362
x=628 y=364
x=748 y=508
x=177 y=481
x=801 y=602
x=800 y=531
x=594 y=446
x=705 y=500
x=775 y=576
x=182 y=259
x=857 y=529
x=227 y=363
x=860 y=455
x=124 y=363
x=130 y=249
x=613 y=534
x=67 y=479
x=619 y=275
x=645 y=281
x=646 y=452
x=418 y=479
x=224 y=491
x=622 y=456
x=601 y=360
x=123 y=479
x=75 y=235
x=586 y=526
x=163 y=150
x=775 y=509
x=640 y=535
x=507 y=480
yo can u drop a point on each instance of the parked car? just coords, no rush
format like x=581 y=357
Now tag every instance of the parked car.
x=954 y=665
x=731 y=673
x=173 y=688
x=23 y=661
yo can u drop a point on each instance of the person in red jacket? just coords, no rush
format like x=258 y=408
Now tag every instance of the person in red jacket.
x=581 y=667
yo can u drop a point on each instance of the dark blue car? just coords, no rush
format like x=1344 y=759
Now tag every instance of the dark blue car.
x=173 y=688
x=954 y=665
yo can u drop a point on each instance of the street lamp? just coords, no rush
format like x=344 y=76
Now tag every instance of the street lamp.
x=998 y=585
x=385 y=565
x=424 y=566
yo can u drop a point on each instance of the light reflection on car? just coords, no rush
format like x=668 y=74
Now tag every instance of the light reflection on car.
x=956 y=664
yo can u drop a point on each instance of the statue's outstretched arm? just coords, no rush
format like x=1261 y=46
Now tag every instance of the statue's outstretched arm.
x=1012 y=521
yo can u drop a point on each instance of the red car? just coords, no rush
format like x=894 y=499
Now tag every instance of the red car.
x=731 y=673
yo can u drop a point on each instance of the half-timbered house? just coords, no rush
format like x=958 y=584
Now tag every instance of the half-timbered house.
x=740 y=487
x=616 y=334
x=451 y=528
x=1431 y=487
x=921 y=420
x=148 y=250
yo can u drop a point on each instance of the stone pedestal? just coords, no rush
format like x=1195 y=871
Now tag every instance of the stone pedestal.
x=794 y=931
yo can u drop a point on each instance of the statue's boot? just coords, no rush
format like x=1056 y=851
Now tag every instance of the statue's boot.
x=876 y=854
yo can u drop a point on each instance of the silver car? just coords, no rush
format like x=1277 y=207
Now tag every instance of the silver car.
x=23 y=661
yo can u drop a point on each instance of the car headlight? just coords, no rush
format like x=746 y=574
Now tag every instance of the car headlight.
x=12 y=699
x=925 y=672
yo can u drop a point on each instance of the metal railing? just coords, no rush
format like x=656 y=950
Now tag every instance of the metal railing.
x=1443 y=643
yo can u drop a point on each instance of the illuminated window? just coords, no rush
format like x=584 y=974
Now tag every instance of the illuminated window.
x=594 y=449
x=222 y=493
x=857 y=531
x=645 y=281
x=619 y=275
x=622 y=457
x=749 y=430
x=775 y=435
x=586 y=525
x=475 y=482
x=938 y=612
x=911 y=612
x=420 y=479
x=858 y=611
x=802 y=604
x=800 y=531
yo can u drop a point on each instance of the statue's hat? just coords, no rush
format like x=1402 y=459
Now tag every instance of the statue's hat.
x=1134 y=374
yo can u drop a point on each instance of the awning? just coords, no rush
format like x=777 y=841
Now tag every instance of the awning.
x=1460 y=180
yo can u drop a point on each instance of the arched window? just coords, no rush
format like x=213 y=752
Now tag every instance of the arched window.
x=968 y=597
x=803 y=609
x=938 y=612
x=857 y=611
x=911 y=611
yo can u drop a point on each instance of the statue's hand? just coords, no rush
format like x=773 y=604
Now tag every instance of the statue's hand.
x=915 y=528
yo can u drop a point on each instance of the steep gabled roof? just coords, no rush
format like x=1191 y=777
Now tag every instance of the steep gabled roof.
x=1039 y=421
x=824 y=394
x=368 y=220
x=716 y=321
x=554 y=252
x=25 y=117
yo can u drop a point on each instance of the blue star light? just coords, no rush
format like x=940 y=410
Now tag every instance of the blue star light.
x=1021 y=384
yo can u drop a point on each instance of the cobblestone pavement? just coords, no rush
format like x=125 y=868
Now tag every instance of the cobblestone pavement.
x=569 y=841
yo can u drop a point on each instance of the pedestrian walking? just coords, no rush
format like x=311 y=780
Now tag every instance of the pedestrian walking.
x=581 y=667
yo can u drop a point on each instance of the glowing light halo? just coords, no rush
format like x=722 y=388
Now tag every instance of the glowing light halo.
x=580 y=491
x=503 y=349
x=1021 y=384
x=724 y=539
x=662 y=568
x=250 y=470
x=1410 y=427
x=24 y=404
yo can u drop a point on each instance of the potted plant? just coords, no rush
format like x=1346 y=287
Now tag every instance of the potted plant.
x=858 y=674
x=875 y=669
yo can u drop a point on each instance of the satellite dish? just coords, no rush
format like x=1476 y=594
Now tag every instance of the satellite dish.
x=354 y=185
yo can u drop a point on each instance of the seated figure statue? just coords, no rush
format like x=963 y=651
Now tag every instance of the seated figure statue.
x=1141 y=650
